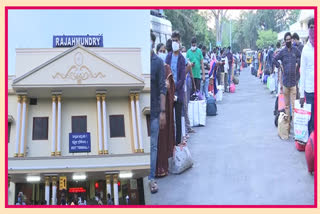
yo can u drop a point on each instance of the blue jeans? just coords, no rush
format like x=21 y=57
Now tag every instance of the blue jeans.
x=154 y=129
x=310 y=100
x=204 y=87
x=229 y=75
x=276 y=81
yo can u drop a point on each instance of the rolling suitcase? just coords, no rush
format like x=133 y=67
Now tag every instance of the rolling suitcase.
x=309 y=150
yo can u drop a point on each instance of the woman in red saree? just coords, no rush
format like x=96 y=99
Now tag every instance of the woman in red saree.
x=166 y=141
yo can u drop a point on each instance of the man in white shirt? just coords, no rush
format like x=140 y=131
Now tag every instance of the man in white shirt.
x=307 y=74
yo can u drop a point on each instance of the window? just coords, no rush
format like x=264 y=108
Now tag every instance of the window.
x=117 y=126
x=9 y=131
x=79 y=124
x=40 y=128
x=148 y=123
x=33 y=101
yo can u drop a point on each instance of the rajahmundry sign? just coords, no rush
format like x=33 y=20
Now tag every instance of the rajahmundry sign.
x=71 y=40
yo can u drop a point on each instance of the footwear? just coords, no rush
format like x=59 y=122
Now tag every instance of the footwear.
x=191 y=131
x=153 y=186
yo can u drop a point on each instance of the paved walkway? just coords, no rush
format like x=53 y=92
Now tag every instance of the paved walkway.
x=239 y=158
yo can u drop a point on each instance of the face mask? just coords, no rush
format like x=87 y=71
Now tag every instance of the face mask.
x=162 y=56
x=193 y=48
x=184 y=55
x=175 y=46
x=288 y=44
x=311 y=36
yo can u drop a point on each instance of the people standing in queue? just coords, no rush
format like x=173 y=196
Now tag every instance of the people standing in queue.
x=290 y=58
x=307 y=74
x=157 y=114
x=195 y=57
x=178 y=67
x=205 y=83
x=166 y=140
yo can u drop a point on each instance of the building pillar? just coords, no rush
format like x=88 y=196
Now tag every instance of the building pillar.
x=115 y=190
x=99 y=124
x=139 y=123
x=134 y=123
x=108 y=185
x=105 y=133
x=53 y=126
x=18 y=127
x=54 y=190
x=23 y=127
x=58 y=153
x=47 y=189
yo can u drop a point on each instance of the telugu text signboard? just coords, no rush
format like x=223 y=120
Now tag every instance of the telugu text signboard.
x=79 y=142
x=72 y=40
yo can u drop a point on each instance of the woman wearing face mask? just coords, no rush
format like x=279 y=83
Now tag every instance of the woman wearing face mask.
x=166 y=134
x=161 y=51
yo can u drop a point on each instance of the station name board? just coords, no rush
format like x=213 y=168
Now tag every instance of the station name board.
x=71 y=40
x=79 y=142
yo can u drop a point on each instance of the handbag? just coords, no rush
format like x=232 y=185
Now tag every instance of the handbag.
x=181 y=159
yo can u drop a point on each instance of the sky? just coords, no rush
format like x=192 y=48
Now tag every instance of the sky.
x=120 y=28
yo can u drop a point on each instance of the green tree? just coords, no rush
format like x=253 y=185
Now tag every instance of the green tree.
x=266 y=38
x=191 y=23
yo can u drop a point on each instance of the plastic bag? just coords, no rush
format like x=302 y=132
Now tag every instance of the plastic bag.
x=301 y=119
x=181 y=160
x=283 y=126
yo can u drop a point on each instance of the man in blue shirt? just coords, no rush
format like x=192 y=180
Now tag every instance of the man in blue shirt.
x=178 y=67
x=290 y=58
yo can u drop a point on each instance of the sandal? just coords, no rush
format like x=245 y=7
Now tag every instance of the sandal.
x=153 y=186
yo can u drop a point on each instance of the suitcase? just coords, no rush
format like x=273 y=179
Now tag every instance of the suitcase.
x=211 y=107
x=300 y=146
x=309 y=150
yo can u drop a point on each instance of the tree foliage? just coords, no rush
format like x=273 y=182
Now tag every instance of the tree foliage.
x=266 y=38
x=191 y=23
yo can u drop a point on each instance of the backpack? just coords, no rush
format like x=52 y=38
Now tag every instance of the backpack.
x=211 y=107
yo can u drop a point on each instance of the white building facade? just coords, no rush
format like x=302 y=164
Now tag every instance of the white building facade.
x=80 y=114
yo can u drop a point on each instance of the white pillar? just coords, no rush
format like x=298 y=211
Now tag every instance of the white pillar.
x=99 y=124
x=105 y=133
x=23 y=128
x=108 y=185
x=115 y=190
x=139 y=123
x=134 y=126
x=58 y=153
x=53 y=126
x=47 y=190
x=54 y=191
x=18 y=127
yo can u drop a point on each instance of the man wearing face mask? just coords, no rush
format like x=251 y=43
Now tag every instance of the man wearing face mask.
x=299 y=45
x=307 y=74
x=178 y=67
x=157 y=114
x=290 y=58
x=206 y=63
x=195 y=56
